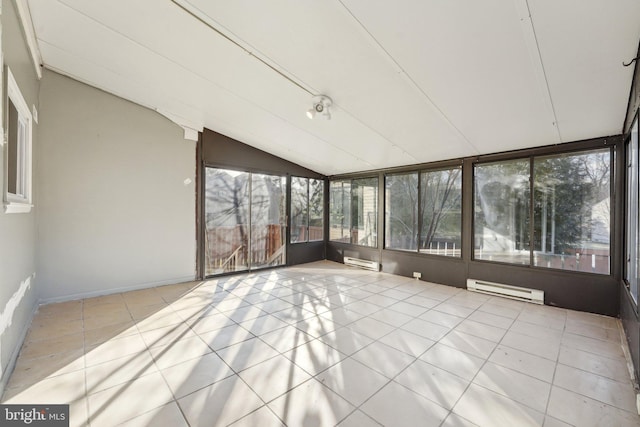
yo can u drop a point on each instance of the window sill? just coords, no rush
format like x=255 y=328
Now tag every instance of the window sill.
x=14 y=207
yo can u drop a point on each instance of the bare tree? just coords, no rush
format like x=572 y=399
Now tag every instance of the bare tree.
x=438 y=200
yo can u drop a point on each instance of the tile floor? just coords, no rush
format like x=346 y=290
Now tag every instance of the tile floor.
x=322 y=345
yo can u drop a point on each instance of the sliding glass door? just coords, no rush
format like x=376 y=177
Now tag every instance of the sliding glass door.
x=268 y=225
x=226 y=221
x=244 y=221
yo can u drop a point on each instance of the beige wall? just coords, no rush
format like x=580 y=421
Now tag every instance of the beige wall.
x=113 y=195
x=115 y=211
x=18 y=291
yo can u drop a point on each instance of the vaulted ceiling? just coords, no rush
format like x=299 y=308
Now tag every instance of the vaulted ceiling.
x=412 y=81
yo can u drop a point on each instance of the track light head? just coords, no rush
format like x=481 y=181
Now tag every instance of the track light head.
x=320 y=107
x=311 y=113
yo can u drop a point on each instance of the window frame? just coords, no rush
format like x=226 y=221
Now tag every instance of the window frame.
x=416 y=236
x=531 y=159
x=342 y=227
x=422 y=172
x=306 y=199
x=308 y=210
x=419 y=213
x=18 y=202
x=322 y=205
x=628 y=227
x=250 y=265
x=351 y=181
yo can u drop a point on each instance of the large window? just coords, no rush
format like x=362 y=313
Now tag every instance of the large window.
x=299 y=209
x=501 y=214
x=307 y=210
x=340 y=211
x=632 y=254
x=441 y=212
x=268 y=220
x=426 y=208
x=17 y=190
x=401 y=211
x=354 y=211
x=316 y=210
x=571 y=211
x=244 y=220
x=572 y=200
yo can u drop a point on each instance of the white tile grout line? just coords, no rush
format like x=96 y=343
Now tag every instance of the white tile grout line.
x=553 y=377
x=486 y=360
x=84 y=367
x=381 y=308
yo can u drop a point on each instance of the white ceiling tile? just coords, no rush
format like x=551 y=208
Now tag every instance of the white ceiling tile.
x=411 y=81
x=471 y=59
x=583 y=45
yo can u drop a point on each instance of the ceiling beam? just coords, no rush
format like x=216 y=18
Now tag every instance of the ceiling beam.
x=206 y=20
x=531 y=40
x=401 y=71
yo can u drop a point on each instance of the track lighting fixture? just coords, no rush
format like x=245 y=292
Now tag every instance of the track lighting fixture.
x=320 y=107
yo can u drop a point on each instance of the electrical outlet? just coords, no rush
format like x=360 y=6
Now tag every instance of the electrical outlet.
x=417 y=275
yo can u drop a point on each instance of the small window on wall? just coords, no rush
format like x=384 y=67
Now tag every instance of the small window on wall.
x=307 y=210
x=17 y=152
x=353 y=214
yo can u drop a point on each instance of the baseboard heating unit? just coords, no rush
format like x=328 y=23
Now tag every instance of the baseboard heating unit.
x=514 y=292
x=362 y=263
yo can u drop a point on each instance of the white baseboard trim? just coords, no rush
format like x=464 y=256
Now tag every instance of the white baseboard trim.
x=128 y=288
